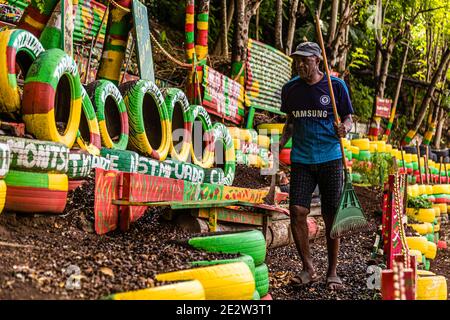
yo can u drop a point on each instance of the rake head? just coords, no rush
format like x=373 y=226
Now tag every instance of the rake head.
x=350 y=217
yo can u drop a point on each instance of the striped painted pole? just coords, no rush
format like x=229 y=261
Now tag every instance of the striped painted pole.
x=33 y=20
x=409 y=136
x=430 y=133
x=374 y=128
x=119 y=25
x=201 y=38
x=52 y=35
x=189 y=31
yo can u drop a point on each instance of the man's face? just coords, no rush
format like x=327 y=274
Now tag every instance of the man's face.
x=306 y=66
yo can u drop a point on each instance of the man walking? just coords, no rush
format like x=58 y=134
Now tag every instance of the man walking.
x=316 y=157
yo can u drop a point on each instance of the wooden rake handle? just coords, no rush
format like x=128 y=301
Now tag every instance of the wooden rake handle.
x=330 y=85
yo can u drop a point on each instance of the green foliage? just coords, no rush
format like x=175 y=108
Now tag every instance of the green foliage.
x=362 y=99
x=419 y=202
x=375 y=172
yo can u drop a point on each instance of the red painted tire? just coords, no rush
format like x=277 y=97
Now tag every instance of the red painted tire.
x=285 y=156
x=35 y=200
x=74 y=184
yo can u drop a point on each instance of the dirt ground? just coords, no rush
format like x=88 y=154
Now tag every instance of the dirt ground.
x=39 y=254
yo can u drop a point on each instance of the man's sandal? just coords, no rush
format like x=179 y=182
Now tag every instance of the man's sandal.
x=334 y=283
x=304 y=278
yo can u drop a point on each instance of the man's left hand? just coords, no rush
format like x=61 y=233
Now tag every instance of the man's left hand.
x=340 y=130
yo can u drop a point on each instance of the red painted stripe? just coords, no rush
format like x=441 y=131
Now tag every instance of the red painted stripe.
x=11 y=60
x=38 y=97
x=190 y=9
x=95 y=139
x=124 y=122
x=155 y=155
x=36 y=15
x=373 y=132
x=124 y=3
x=118 y=37
x=26 y=199
x=189 y=27
x=202 y=37
x=190 y=45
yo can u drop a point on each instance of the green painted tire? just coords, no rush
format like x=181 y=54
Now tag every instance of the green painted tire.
x=262 y=279
x=88 y=135
x=174 y=97
x=185 y=171
x=364 y=155
x=214 y=176
x=356 y=177
x=5 y=160
x=143 y=120
x=37 y=155
x=153 y=167
x=80 y=165
x=101 y=163
x=244 y=258
x=16 y=47
x=111 y=114
x=222 y=134
x=251 y=243
x=50 y=181
x=121 y=160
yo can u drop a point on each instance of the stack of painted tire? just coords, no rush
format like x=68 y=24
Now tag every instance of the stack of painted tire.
x=267 y=71
x=37 y=180
x=247 y=274
x=274 y=131
x=5 y=159
x=251 y=149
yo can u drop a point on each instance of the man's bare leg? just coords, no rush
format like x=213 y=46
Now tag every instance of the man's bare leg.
x=299 y=228
x=332 y=249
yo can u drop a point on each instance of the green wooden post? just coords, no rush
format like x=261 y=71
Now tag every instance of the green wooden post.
x=63 y=21
x=250 y=118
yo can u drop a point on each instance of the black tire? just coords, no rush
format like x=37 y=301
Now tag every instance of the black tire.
x=410 y=149
x=440 y=153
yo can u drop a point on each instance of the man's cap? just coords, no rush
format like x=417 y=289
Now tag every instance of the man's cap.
x=308 y=49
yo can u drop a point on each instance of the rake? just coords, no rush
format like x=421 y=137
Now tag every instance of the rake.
x=350 y=217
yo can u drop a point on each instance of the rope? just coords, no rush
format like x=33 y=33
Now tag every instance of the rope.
x=173 y=59
x=119 y=6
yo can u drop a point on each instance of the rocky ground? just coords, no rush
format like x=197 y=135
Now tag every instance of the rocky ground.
x=40 y=254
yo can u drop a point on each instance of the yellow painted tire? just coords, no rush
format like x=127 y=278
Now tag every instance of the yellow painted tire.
x=429 y=189
x=373 y=146
x=207 y=160
x=147 y=117
x=88 y=136
x=187 y=290
x=174 y=97
x=353 y=149
x=417 y=254
x=221 y=134
x=431 y=250
x=421 y=215
x=431 y=288
x=2 y=195
x=437 y=210
x=16 y=47
x=263 y=141
x=237 y=144
x=425 y=273
x=362 y=144
x=442 y=207
x=441 y=188
x=413 y=190
x=253 y=160
x=271 y=128
x=40 y=111
x=422 y=189
x=417 y=243
x=231 y=281
x=388 y=148
x=422 y=228
x=346 y=143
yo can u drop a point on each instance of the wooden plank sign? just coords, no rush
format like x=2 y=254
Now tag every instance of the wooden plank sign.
x=143 y=44
x=107 y=188
x=383 y=109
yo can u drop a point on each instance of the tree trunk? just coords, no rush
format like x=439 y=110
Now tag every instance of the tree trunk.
x=414 y=104
x=291 y=28
x=441 y=121
x=428 y=96
x=397 y=94
x=244 y=10
x=333 y=23
x=257 y=25
x=279 y=25
x=218 y=49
